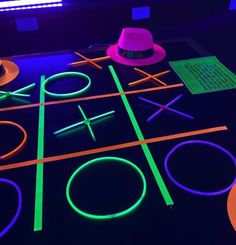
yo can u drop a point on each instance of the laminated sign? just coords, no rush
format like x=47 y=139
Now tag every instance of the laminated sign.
x=204 y=75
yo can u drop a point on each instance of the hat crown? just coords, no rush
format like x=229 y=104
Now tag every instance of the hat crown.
x=135 y=39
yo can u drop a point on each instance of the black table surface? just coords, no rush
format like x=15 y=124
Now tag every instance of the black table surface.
x=101 y=189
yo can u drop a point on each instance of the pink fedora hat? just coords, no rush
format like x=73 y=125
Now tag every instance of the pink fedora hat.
x=135 y=47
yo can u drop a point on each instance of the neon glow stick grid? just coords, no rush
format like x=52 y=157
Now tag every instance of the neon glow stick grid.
x=38 y=227
x=137 y=142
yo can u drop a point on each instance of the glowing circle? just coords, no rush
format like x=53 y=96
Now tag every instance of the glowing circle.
x=67 y=75
x=196 y=192
x=13 y=221
x=113 y=215
x=21 y=145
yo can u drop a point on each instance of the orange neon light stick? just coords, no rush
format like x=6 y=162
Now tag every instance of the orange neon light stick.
x=93 y=97
x=111 y=148
x=21 y=145
x=231 y=206
x=84 y=62
x=88 y=60
x=152 y=76
x=149 y=77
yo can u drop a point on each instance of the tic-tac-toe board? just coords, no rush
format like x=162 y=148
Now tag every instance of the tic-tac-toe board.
x=109 y=163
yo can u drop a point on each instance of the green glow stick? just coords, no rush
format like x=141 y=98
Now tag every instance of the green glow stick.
x=17 y=92
x=91 y=130
x=147 y=153
x=68 y=127
x=87 y=123
x=38 y=209
x=26 y=88
x=83 y=122
x=7 y=93
x=102 y=115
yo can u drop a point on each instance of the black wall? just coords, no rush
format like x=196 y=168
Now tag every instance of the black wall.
x=81 y=23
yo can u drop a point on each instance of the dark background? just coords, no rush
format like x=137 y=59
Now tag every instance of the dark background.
x=83 y=22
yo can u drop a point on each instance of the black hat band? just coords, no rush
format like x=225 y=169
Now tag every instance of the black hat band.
x=135 y=54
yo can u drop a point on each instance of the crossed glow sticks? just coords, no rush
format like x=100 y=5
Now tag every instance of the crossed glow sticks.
x=88 y=61
x=87 y=121
x=165 y=107
x=18 y=93
x=149 y=77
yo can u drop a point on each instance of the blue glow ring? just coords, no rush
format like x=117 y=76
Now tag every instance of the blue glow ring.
x=14 y=219
x=66 y=75
x=200 y=193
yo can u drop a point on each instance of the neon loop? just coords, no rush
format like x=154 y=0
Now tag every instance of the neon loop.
x=67 y=75
x=191 y=190
x=99 y=161
x=13 y=221
x=21 y=145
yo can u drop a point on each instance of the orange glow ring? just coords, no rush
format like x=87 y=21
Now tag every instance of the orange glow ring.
x=21 y=145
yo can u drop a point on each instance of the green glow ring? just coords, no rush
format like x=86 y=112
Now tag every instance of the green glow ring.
x=113 y=215
x=66 y=75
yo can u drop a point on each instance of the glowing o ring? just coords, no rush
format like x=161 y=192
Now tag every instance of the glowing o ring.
x=13 y=221
x=21 y=145
x=66 y=75
x=113 y=215
x=191 y=190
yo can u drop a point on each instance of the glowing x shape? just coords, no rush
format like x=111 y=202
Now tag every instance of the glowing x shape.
x=19 y=92
x=149 y=77
x=87 y=121
x=165 y=107
x=89 y=61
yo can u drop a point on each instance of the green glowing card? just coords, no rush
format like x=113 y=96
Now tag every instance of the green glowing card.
x=204 y=75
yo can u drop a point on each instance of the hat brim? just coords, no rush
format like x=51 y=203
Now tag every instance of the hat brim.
x=12 y=70
x=159 y=55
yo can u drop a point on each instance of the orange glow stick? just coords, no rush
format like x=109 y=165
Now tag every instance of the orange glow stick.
x=112 y=148
x=145 y=79
x=103 y=58
x=160 y=74
x=231 y=206
x=149 y=77
x=93 y=97
x=89 y=61
x=83 y=62
x=154 y=77
x=21 y=145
